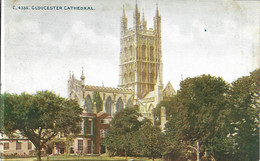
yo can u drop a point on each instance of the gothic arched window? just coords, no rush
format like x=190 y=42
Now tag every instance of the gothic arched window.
x=119 y=104
x=152 y=53
x=143 y=52
x=108 y=106
x=129 y=103
x=88 y=104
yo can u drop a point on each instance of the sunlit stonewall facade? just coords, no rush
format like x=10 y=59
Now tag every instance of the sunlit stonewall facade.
x=19 y=146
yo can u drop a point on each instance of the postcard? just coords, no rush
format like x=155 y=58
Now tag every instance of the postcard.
x=130 y=52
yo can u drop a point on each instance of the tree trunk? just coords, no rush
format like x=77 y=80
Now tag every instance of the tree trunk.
x=198 y=151
x=125 y=155
x=38 y=154
x=68 y=140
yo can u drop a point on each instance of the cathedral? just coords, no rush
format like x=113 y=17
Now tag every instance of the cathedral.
x=140 y=83
x=141 y=72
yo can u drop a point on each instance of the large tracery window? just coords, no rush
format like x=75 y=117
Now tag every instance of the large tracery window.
x=88 y=103
x=129 y=103
x=119 y=104
x=108 y=106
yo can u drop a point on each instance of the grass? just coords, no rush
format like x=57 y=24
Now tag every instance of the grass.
x=80 y=158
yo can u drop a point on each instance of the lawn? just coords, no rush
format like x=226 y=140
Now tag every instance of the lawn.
x=79 y=158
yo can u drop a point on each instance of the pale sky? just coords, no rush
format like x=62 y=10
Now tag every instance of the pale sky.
x=217 y=37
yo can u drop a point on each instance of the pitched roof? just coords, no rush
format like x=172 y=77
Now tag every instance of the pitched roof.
x=169 y=91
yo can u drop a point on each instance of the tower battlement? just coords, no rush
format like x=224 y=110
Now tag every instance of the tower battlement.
x=140 y=24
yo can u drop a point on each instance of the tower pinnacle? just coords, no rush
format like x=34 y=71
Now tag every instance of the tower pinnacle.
x=137 y=20
x=123 y=21
x=124 y=16
x=82 y=75
x=144 y=21
x=136 y=9
x=157 y=10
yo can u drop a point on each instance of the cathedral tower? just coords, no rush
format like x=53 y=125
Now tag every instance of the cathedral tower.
x=140 y=54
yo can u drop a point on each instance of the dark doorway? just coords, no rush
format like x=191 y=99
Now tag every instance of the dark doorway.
x=62 y=150
x=102 y=149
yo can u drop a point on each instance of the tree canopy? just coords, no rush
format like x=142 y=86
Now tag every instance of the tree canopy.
x=131 y=135
x=244 y=116
x=150 y=141
x=222 y=117
x=98 y=101
x=200 y=102
x=40 y=117
x=120 y=135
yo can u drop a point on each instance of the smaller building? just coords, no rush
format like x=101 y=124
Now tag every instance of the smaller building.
x=19 y=146
x=88 y=142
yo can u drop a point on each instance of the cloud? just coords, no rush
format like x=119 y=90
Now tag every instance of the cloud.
x=42 y=47
x=34 y=58
x=82 y=40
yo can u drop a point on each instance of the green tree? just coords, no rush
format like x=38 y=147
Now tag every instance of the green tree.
x=40 y=117
x=98 y=101
x=197 y=114
x=244 y=116
x=130 y=136
x=170 y=105
x=120 y=137
x=149 y=141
